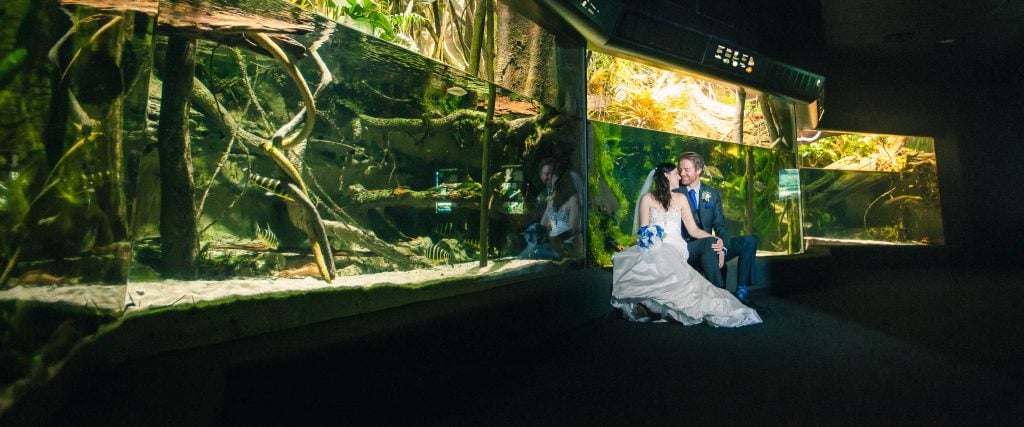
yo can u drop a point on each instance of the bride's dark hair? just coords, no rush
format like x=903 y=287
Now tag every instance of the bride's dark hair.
x=661 y=191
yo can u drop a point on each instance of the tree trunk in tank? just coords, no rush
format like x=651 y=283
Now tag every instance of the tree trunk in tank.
x=525 y=57
x=178 y=239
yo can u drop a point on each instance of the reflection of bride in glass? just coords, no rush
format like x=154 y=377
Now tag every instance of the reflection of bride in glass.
x=653 y=280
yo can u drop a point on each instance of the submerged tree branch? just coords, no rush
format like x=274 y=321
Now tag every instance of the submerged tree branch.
x=300 y=83
x=465 y=195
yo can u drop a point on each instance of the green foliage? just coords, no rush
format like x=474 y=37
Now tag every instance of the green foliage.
x=13 y=206
x=370 y=16
x=828 y=150
x=604 y=225
x=10 y=65
x=886 y=233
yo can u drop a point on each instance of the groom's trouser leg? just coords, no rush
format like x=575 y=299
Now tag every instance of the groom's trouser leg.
x=705 y=260
x=744 y=247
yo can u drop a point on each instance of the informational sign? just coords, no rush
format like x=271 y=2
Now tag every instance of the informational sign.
x=511 y=190
x=789 y=184
x=445 y=179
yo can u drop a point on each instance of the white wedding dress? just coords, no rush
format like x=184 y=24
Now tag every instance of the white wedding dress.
x=660 y=278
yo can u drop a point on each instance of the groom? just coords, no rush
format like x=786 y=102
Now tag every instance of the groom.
x=706 y=205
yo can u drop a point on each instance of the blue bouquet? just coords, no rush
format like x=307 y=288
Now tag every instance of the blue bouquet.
x=646 y=234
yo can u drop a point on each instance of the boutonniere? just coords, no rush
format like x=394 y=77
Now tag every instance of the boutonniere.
x=706 y=196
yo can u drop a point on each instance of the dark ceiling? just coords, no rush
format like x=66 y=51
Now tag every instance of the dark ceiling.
x=986 y=28
x=883 y=29
x=921 y=29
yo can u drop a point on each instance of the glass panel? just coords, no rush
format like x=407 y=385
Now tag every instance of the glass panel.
x=633 y=94
x=442 y=31
x=317 y=140
x=852 y=207
x=448 y=31
x=391 y=168
x=368 y=154
x=624 y=155
x=768 y=122
x=871 y=189
x=73 y=102
x=67 y=125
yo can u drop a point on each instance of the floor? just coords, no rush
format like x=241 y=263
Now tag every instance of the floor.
x=873 y=346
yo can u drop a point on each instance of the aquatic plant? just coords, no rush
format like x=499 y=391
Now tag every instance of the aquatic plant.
x=608 y=202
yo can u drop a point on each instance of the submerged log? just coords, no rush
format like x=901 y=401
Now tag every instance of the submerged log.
x=223 y=21
x=423 y=124
x=368 y=240
x=149 y=7
x=220 y=118
x=465 y=195
x=233 y=16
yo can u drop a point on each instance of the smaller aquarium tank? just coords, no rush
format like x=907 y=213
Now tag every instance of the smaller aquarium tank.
x=862 y=188
x=869 y=188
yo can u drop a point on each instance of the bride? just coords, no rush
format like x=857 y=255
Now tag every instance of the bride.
x=652 y=278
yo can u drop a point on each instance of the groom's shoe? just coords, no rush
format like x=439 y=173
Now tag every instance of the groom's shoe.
x=743 y=294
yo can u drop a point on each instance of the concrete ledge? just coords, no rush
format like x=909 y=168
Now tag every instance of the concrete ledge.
x=163 y=360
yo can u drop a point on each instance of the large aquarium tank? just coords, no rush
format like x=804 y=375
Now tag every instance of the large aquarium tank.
x=642 y=115
x=157 y=154
x=859 y=188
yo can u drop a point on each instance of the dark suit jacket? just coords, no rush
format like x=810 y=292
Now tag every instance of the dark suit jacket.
x=709 y=215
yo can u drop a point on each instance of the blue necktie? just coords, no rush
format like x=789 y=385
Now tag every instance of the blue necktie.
x=693 y=199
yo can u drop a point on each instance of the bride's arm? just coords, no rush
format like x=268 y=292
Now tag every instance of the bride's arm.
x=645 y=210
x=545 y=218
x=574 y=213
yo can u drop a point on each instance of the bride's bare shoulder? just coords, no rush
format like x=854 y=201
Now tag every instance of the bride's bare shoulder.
x=647 y=201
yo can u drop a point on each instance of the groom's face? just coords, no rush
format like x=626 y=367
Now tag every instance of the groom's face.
x=547 y=175
x=688 y=173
